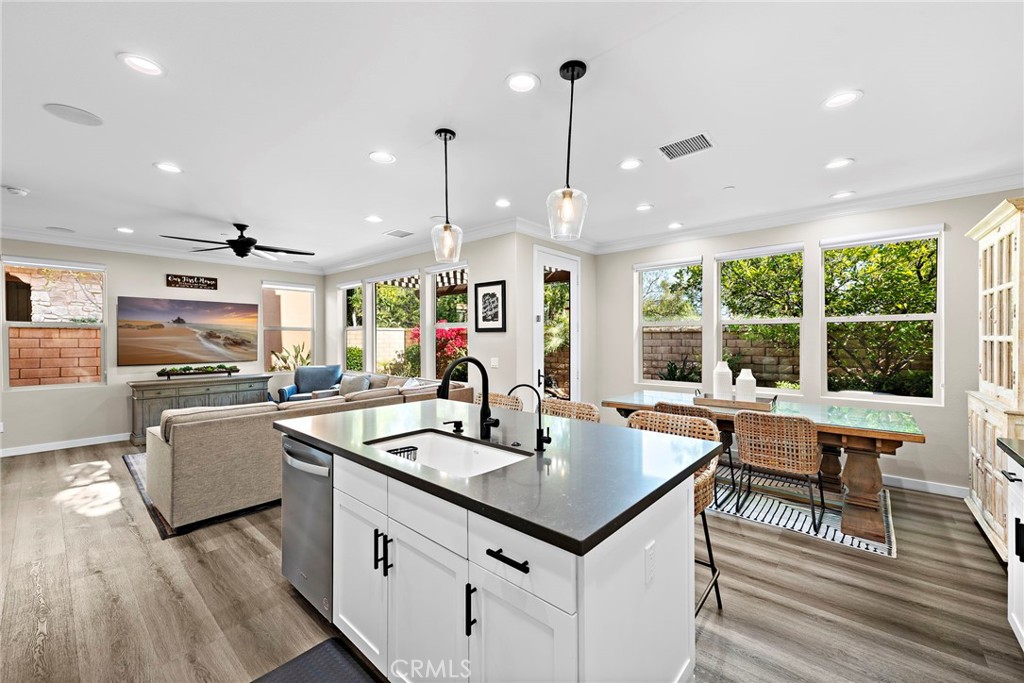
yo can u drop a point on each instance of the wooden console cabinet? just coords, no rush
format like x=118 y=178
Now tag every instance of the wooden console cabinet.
x=997 y=408
x=152 y=397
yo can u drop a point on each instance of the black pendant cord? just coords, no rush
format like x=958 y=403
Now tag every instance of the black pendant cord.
x=446 y=221
x=568 y=148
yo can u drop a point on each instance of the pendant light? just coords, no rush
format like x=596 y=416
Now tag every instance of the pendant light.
x=566 y=206
x=447 y=238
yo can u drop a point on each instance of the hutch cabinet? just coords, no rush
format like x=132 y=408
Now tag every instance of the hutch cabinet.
x=152 y=397
x=996 y=409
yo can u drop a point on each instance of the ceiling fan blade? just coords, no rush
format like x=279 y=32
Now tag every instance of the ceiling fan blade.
x=264 y=255
x=196 y=251
x=282 y=250
x=191 y=239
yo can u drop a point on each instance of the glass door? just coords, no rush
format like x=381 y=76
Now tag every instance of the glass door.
x=557 y=324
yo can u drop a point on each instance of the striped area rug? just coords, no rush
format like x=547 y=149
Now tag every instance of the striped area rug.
x=764 y=506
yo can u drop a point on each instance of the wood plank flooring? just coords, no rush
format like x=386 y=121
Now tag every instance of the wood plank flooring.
x=89 y=592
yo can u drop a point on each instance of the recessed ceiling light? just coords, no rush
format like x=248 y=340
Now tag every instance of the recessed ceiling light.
x=168 y=167
x=644 y=207
x=523 y=81
x=630 y=164
x=843 y=194
x=841 y=99
x=838 y=163
x=126 y=231
x=73 y=114
x=729 y=187
x=382 y=157
x=503 y=203
x=675 y=226
x=373 y=218
x=144 y=65
x=54 y=228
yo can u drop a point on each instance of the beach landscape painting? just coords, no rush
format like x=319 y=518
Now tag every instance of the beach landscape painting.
x=169 y=331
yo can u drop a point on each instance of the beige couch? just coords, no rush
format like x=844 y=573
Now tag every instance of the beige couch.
x=206 y=462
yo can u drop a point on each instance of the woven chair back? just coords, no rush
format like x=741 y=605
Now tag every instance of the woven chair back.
x=574 y=410
x=785 y=443
x=683 y=409
x=694 y=428
x=499 y=400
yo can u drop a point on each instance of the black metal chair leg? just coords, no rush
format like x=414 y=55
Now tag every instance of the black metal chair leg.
x=711 y=558
x=821 y=494
x=815 y=523
x=742 y=498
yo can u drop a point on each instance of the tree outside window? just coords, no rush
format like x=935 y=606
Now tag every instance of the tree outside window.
x=353 y=331
x=671 y=306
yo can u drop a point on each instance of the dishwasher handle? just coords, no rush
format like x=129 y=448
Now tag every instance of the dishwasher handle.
x=306 y=467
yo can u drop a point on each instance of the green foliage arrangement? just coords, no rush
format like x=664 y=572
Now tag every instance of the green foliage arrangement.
x=197 y=370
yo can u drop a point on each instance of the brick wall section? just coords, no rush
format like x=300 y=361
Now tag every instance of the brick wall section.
x=54 y=355
x=768 y=363
x=664 y=344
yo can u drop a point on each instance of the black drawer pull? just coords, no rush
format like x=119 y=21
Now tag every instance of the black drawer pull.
x=1011 y=476
x=1019 y=531
x=523 y=566
x=376 y=548
x=469 y=609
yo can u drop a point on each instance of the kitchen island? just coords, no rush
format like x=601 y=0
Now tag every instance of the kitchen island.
x=571 y=564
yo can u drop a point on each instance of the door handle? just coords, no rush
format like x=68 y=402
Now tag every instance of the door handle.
x=308 y=468
x=1019 y=531
x=376 y=548
x=523 y=566
x=387 y=563
x=469 y=609
x=1010 y=475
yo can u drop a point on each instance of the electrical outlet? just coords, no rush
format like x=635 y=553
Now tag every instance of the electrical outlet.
x=649 y=563
x=494 y=363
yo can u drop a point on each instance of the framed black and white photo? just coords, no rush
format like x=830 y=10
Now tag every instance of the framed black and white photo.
x=490 y=306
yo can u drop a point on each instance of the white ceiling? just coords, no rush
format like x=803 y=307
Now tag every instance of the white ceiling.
x=272 y=108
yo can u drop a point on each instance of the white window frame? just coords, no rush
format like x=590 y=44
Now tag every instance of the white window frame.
x=638 y=301
x=343 y=327
x=370 y=315
x=264 y=328
x=938 y=329
x=428 y=337
x=721 y=321
x=101 y=325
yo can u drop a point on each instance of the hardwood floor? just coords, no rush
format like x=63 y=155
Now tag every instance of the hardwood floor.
x=89 y=592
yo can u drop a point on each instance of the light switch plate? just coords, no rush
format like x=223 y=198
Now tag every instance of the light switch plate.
x=649 y=563
x=494 y=363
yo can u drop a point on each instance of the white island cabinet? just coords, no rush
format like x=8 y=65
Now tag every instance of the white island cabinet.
x=1015 y=542
x=427 y=590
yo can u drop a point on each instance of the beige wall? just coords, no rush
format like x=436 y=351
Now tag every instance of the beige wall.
x=55 y=414
x=944 y=458
x=506 y=257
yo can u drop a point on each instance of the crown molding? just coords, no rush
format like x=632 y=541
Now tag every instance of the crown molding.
x=893 y=200
x=155 y=252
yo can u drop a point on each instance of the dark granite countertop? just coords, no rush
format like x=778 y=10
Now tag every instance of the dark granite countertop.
x=591 y=480
x=1014 y=448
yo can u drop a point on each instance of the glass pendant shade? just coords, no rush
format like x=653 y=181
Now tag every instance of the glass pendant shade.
x=566 y=209
x=447 y=241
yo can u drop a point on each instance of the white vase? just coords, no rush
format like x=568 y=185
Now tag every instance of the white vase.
x=722 y=387
x=746 y=386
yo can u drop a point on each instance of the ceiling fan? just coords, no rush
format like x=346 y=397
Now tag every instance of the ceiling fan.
x=243 y=245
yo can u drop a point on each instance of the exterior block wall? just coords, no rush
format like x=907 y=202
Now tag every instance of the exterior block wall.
x=54 y=355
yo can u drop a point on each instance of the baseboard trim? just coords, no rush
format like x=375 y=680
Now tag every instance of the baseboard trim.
x=57 y=445
x=926 y=486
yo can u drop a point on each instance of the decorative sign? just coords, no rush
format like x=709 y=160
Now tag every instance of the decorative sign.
x=191 y=281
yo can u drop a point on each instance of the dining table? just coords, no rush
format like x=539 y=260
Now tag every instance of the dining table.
x=864 y=434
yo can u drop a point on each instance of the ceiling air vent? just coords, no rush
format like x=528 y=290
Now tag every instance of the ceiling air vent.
x=398 y=233
x=682 y=148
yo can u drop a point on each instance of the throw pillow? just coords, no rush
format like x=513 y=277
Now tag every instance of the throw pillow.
x=350 y=383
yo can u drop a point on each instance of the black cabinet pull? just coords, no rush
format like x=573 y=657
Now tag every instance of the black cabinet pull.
x=523 y=566
x=1010 y=475
x=387 y=563
x=469 y=609
x=377 y=535
x=1019 y=530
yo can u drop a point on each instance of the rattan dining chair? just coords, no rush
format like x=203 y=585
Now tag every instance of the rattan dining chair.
x=786 y=445
x=703 y=479
x=575 y=410
x=500 y=400
x=706 y=414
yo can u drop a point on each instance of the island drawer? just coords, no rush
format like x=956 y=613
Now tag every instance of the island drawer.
x=436 y=519
x=199 y=391
x=362 y=483
x=550 y=572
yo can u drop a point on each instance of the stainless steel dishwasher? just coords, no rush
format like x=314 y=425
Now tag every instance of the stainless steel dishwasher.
x=307 y=523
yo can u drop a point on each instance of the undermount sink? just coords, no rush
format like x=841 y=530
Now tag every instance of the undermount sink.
x=447 y=453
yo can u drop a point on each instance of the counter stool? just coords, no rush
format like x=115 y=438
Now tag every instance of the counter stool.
x=500 y=400
x=703 y=479
x=704 y=413
x=576 y=410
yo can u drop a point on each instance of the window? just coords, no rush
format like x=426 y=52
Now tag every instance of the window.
x=451 y=331
x=288 y=315
x=762 y=307
x=396 y=313
x=881 y=301
x=670 y=322
x=353 y=332
x=53 y=320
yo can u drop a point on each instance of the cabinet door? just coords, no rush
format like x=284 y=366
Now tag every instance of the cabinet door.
x=544 y=636
x=222 y=398
x=194 y=401
x=254 y=396
x=360 y=588
x=1015 y=560
x=426 y=608
x=153 y=407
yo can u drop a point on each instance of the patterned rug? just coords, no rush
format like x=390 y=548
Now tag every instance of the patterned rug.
x=778 y=503
x=136 y=464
